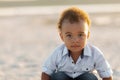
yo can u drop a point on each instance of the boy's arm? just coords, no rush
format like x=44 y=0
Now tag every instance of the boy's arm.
x=45 y=76
x=110 y=78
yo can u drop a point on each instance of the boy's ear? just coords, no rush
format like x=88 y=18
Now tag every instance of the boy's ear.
x=88 y=35
x=61 y=36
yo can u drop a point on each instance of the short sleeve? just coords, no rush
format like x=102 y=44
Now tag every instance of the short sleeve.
x=49 y=66
x=51 y=63
x=102 y=66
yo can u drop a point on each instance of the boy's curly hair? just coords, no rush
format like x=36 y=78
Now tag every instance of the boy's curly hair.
x=73 y=14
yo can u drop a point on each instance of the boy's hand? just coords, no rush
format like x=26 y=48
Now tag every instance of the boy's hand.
x=110 y=78
x=44 y=76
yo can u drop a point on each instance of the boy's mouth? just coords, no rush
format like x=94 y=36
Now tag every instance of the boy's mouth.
x=75 y=46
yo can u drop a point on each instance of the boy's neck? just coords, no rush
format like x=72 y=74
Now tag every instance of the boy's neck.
x=76 y=55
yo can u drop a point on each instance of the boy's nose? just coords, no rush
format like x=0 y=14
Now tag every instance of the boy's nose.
x=75 y=39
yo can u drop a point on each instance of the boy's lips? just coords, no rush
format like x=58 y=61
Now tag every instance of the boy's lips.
x=75 y=46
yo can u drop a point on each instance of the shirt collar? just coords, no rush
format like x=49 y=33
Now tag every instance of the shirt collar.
x=86 y=51
x=65 y=51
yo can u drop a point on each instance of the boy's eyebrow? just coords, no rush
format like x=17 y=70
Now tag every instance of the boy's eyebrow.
x=71 y=33
x=81 y=32
x=68 y=33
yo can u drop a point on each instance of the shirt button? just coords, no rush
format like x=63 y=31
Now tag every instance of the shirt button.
x=74 y=72
x=86 y=68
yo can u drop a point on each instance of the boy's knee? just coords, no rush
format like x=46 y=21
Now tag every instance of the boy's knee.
x=87 y=76
x=59 y=76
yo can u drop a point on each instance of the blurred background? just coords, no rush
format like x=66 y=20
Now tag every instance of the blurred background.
x=28 y=34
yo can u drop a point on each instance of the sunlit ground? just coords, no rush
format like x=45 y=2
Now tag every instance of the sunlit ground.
x=28 y=37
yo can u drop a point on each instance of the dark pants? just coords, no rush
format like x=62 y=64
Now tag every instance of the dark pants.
x=63 y=76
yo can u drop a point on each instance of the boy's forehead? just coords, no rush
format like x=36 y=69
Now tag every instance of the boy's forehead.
x=81 y=25
x=66 y=21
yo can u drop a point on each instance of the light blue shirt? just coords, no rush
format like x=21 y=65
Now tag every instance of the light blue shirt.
x=92 y=59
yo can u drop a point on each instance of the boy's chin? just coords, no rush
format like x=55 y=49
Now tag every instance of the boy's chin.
x=76 y=51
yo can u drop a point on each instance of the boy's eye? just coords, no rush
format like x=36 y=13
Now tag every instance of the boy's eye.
x=69 y=35
x=80 y=35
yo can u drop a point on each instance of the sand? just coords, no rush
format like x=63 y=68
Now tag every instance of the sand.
x=27 y=41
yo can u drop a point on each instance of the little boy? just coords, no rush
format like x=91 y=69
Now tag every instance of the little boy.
x=75 y=59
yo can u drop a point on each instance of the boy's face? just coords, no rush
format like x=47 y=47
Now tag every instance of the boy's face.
x=74 y=35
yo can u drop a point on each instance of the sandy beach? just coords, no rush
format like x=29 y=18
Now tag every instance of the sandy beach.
x=27 y=41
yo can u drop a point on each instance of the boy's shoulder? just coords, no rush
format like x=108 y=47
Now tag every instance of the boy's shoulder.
x=59 y=49
x=94 y=49
x=92 y=46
